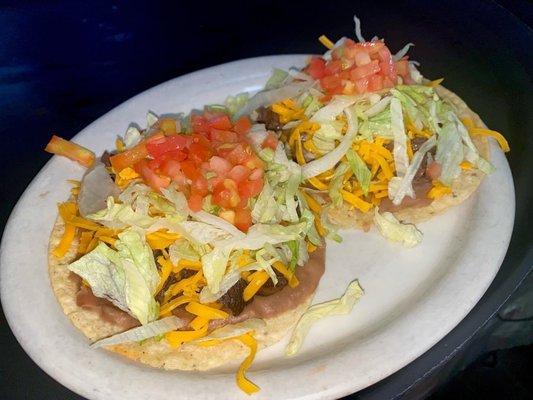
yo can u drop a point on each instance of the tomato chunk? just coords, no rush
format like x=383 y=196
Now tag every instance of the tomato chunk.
x=316 y=68
x=195 y=202
x=154 y=180
x=242 y=125
x=69 y=149
x=220 y=121
x=159 y=146
x=243 y=219
x=221 y=136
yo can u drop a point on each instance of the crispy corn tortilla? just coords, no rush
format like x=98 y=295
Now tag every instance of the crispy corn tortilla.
x=152 y=352
x=462 y=187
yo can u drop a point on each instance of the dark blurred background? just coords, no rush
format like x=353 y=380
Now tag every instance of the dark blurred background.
x=65 y=63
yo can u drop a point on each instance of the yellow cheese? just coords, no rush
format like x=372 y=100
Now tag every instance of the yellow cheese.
x=257 y=279
x=504 y=145
x=178 y=301
x=205 y=311
x=177 y=338
x=66 y=240
x=326 y=42
x=290 y=276
x=438 y=190
x=355 y=201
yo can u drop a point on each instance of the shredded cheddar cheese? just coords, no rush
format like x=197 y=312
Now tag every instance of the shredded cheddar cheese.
x=66 y=240
x=504 y=145
x=249 y=341
x=257 y=280
x=205 y=311
x=161 y=239
x=438 y=190
x=177 y=338
x=326 y=42
x=466 y=165
x=435 y=82
x=178 y=301
x=290 y=276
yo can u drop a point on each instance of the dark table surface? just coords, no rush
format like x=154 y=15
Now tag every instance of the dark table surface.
x=66 y=63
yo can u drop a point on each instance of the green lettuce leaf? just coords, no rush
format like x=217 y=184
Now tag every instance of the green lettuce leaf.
x=392 y=229
x=127 y=277
x=342 y=305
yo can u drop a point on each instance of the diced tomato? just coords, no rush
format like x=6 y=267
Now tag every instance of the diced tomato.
x=387 y=66
x=249 y=189
x=365 y=70
x=155 y=181
x=402 y=67
x=375 y=83
x=331 y=83
x=199 y=153
x=69 y=149
x=361 y=85
x=316 y=68
x=226 y=194
x=239 y=155
x=171 y=168
x=371 y=47
x=160 y=145
x=254 y=162
x=220 y=121
x=190 y=170
x=434 y=170
x=243 y=219
x=387 y=83
x=361 y=58
x=199 y=124
x=129 y=157
x=195 y=202
x=271 y=141
x=223 y=136
x=200 y=186
x=219 y=165
x=242 y=125
x=333 y=67
x=256 y=174
x=239 y=173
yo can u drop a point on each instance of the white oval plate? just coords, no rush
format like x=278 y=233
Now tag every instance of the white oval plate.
x=414 y=297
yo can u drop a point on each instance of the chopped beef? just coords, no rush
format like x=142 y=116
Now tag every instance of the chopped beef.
x=269 y=288
x=416 y=143
x=171 y=280
x=187 y=273
x=105 y=159
x=266 y=116
x=232 y=299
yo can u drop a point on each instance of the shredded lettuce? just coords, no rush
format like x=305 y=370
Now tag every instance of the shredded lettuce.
x=399 y=188
x=132 y=137
x=335 y=185
x=392 y=229
x=119 y=216
x=277 y=79
x=329 y=160
x=229 y=331
x=342 y=305
x=127 y=277
x=401 y=161
x=294 y=247
x=449 y=153
x=182 y=249
x=360 y=170
x=335 y=107
x=150 y=330
x=235 y=103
